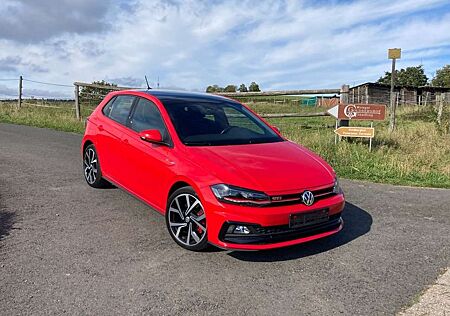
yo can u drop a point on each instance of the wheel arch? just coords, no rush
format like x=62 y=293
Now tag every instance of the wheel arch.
x=180 y=183
x=177 y=185
x=86 y=143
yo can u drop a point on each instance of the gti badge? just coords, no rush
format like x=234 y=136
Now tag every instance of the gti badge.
x=308 y=198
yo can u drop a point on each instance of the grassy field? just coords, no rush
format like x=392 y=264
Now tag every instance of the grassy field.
x=417 y=153
x=280 y=100
x=60 y=117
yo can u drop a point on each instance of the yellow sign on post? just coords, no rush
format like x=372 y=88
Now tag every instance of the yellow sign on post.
x=368 y=132
x=394 y=53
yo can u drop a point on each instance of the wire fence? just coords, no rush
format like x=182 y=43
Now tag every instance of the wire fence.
x=48 y=83
x=30 y=92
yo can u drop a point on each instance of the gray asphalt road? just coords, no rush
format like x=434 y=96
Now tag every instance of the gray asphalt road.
x=67 y=248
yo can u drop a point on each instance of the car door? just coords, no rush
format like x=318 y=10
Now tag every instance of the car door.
x=111 y=145
x=149 y=163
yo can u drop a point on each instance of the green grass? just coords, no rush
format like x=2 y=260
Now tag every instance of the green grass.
x=272 y=99
x=288 y=107
x=61 y=118
x=417 y=153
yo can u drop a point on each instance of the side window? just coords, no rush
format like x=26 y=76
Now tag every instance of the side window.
x=120 y=108
x=146 y=116
x=107 y=108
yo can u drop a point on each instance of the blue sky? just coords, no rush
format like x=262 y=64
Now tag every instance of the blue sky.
x=191 y=44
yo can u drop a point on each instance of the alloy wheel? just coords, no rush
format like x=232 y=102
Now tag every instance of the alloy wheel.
x=90 y=165
x=187 y=220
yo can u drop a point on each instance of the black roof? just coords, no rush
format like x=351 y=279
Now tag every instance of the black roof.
x=177 y=95
x=388 y=86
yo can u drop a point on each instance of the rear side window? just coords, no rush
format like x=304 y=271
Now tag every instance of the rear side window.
x=107 y=108
x=120 y=108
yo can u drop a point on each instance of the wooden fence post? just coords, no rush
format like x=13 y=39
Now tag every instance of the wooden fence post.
x=367 y=94
x=77 y=102
x=344 y=100
x=392 y=99
x=440 y=109
x=19 y=100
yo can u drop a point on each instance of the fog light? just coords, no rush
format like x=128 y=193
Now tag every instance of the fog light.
x=240 y=229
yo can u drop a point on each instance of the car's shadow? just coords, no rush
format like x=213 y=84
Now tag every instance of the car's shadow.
x=357 y=222
x=7 y=220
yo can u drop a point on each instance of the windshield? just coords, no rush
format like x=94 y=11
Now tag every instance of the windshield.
x=201 y=122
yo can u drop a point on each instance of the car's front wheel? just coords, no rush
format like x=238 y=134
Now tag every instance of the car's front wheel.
x=91 y=168
x=186 y=219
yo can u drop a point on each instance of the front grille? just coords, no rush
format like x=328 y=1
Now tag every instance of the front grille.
x=285 y=228
x=273 y=234
x=296 y=198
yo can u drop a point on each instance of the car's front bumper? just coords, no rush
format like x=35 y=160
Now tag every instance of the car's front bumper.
x=271 y=223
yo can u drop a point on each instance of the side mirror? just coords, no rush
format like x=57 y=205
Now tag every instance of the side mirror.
x=151 y=136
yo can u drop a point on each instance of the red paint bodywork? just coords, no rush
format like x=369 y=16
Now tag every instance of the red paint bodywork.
x=149 y=171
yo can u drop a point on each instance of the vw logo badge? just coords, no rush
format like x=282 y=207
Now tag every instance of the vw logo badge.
x=308 y=198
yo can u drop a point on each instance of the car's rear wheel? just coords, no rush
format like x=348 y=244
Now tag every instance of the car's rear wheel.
x=91 y=168
x=186 y=219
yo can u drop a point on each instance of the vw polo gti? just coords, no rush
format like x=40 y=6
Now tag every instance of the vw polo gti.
x=217 y=171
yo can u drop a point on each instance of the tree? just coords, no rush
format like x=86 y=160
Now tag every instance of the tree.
x=214 y=89
x=442 y=77
x=253 y=87
x=243 y=88
x=386 y=79
x=95 y=95
x=411 y=76
x=230 y=88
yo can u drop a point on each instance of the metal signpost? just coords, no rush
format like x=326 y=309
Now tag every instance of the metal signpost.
x=359 y=112
x=394 y=54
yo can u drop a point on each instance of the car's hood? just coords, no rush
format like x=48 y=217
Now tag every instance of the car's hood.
x=270 y=167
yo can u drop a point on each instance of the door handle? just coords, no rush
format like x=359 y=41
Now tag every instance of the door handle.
x=169 y=162
x=100 y=128
x=125 y=140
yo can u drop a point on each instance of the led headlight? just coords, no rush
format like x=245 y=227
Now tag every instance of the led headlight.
x=230 y=194
x=336 y=188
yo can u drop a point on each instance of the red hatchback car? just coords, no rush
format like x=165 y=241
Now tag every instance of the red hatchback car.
x=219 y=173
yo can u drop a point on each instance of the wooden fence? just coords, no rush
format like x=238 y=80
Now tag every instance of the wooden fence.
x=280 y=92
x=343 y=92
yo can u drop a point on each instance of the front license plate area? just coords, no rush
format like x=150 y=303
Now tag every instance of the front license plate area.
x=308 y=218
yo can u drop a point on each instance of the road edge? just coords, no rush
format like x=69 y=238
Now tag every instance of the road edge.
x=433 y=301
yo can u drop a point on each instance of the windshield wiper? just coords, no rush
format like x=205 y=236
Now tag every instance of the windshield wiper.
x=198 y=143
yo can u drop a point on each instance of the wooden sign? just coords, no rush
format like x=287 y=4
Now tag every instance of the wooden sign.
x=394 y=53
x=359 y=111
x=344 y=131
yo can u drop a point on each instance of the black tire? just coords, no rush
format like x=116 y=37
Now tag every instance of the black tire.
x=91 y=168
x=195 y=220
